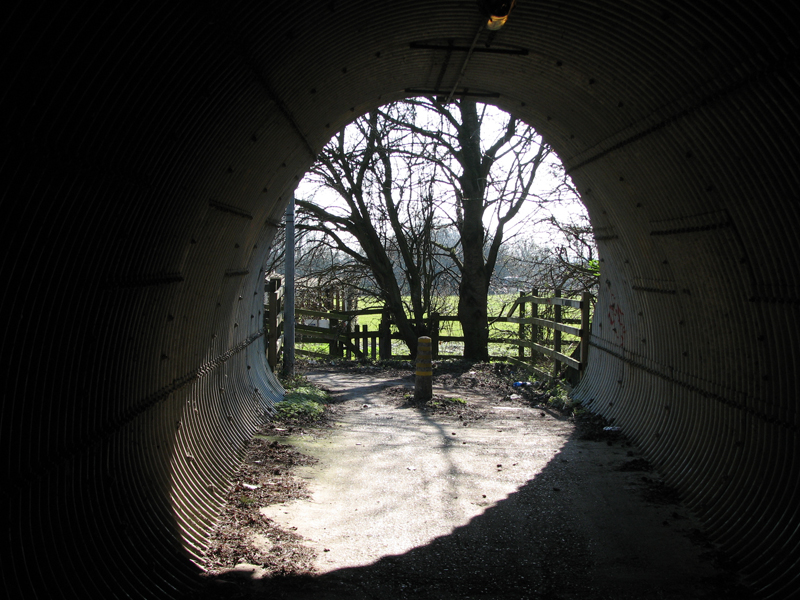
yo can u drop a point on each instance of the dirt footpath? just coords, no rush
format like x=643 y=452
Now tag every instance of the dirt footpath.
x=488 y=497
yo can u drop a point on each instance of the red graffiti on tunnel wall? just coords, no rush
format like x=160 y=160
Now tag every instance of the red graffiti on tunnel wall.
x=617 y=320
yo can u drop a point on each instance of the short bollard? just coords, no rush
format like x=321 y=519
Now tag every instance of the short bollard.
x=423 y=386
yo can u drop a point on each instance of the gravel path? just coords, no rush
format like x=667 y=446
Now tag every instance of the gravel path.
x=514 y=504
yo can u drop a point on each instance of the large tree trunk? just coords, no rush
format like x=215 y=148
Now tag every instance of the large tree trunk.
x=473 y=288
x=383 y=272
x=472 y=312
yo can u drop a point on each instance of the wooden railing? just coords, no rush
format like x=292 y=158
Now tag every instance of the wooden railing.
x=273 y=319
x=558 y=324
x=344 y=338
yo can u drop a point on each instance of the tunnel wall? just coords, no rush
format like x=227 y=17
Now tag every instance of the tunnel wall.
x=149 y=151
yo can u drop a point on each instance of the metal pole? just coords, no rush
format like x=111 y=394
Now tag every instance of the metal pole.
x=288 y=298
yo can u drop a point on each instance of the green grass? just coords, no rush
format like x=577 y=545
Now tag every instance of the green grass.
x=303 y=402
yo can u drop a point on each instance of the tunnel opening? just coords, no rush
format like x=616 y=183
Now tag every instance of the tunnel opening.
x=534 y=230
x=147 y=154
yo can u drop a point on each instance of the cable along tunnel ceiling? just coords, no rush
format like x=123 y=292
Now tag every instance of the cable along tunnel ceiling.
x=150 y=151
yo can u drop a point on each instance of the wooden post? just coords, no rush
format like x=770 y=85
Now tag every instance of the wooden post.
x=521 y=348
x=274 y=319
x=586 y=301
x=385 y=337
x=349 y=329
x=374 y=343
x=534 y=327
x=556 y=332
x=266 y=316
x=435 y=335
x=334 y=349
x=423 y=386
x=364 y=341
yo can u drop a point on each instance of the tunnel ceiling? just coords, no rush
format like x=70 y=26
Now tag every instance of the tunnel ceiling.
x=149 y=152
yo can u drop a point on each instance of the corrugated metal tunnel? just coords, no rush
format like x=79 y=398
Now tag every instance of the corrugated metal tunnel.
x=150 y=149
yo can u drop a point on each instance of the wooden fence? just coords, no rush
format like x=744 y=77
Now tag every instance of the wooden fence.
x=558 y=324
x=273 y=319
x=344 y=338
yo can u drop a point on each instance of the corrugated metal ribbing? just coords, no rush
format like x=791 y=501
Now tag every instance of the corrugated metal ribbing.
x=150 y=149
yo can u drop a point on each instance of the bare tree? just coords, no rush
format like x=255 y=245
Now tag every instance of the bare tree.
x=427 y=202
x=387 y=220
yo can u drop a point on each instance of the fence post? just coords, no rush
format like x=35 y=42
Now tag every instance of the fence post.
x=586 y=301
x=521 y=348
x=556 y=332
x=423 y=384
x=266 y=316
x=534 y=327
x=364 y=341
x=274 y=319
x=434 y=334
x=334 y=351
x=385 y=342
x=374 y=343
